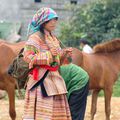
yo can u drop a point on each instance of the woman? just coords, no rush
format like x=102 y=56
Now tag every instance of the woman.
x=45 y=97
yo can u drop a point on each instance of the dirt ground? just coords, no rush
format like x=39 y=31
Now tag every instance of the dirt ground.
x=115 y=113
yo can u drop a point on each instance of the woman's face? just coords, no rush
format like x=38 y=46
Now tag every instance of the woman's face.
x=51 y=25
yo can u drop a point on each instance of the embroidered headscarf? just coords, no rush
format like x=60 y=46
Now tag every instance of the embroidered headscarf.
x=42 y=15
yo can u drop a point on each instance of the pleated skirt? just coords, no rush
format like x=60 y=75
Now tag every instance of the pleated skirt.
x=38 y=107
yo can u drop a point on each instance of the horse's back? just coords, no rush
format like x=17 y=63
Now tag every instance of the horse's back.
x=6 y=57
x=2 y=41
x=8 y=52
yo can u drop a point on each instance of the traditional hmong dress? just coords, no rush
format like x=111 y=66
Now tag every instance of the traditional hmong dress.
x=55 y=105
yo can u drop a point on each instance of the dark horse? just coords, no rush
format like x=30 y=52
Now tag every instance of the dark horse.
x=103 y=67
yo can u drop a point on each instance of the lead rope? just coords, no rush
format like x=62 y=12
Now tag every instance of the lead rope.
x=65 y=55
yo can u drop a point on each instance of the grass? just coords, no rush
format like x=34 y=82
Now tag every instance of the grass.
x=116 y=89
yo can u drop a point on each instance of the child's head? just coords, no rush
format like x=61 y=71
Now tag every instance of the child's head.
x=83 y=42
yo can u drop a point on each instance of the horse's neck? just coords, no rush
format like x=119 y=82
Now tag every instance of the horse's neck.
x=16 y=50
x=116 y=58
x=85 y=60
x=77 y=57
x=17 y=47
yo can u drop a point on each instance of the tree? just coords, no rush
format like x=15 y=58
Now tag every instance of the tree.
x=97 y=21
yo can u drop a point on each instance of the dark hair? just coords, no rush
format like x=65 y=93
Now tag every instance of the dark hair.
x=42 y=26
x=84 y=41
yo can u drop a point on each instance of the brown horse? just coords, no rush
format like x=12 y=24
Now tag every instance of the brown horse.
x=103 y=67
x=7 y=53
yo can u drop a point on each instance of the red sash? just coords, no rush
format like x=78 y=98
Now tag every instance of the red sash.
x=36 y=70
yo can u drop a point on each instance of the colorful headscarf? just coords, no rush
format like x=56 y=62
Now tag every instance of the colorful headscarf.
x=42 y=15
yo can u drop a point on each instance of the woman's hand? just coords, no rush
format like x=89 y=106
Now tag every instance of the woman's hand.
x=69 y=51
x=54 y=51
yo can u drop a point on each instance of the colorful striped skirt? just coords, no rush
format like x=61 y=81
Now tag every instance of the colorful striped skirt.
x=38 y=107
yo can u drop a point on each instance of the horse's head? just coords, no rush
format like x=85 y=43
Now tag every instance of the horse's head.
x=77 y=57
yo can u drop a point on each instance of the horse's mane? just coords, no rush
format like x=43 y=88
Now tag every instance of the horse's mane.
x=109 y=46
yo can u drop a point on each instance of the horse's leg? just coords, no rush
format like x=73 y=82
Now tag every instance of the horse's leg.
x=108 y=94
x=94 y=103
x=11 y=95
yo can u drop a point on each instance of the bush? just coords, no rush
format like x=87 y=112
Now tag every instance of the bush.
x=96 y=21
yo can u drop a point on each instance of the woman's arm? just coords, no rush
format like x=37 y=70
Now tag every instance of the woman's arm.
x=34 y=56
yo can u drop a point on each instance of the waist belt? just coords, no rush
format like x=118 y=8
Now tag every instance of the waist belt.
x=36 y=70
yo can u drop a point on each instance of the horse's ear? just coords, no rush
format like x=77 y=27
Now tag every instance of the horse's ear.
x=21 y=51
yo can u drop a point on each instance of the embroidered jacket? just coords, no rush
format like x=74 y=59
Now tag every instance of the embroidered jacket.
x=37 y=51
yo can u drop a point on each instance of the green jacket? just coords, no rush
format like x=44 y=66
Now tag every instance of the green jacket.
x=75 y=77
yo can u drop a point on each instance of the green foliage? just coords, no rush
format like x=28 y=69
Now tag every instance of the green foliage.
x=8 y=28
x=116 y=88
x=97 y=21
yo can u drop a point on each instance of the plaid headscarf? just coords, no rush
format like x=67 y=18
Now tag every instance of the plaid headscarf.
x=42 y=15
